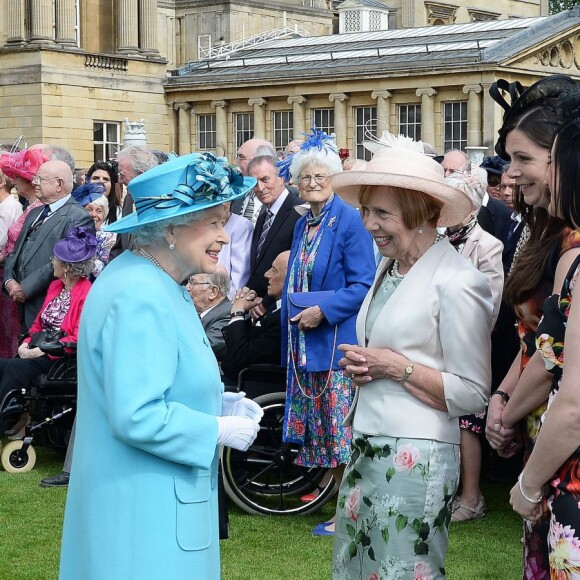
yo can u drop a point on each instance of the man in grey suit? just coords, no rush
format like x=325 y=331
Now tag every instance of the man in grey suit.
x=28 y=270
x=209 y=293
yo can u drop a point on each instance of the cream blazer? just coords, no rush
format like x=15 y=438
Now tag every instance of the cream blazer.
x=439 y=316
x=484 y=251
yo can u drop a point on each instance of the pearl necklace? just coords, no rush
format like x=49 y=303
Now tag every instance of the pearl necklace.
x=149 y=257
x=395 y=267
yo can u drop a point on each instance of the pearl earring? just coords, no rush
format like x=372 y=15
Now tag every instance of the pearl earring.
x=172 y=246
x=420 y=230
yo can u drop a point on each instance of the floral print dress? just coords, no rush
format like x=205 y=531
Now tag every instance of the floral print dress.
x=562 y=541
x=316 y=402
x=529 y=315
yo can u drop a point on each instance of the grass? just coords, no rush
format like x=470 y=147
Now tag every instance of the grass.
x=260 y=548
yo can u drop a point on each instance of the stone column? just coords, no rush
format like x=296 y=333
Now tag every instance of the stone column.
x=221 y=126
x=65 y=22
x=184 y=130
x=298 y=116
x=16 y=33
x=259 y=116
x=127 y=29
x=340 y=125
x=492 y=118
x=148 y=27
x=473 y=115
x=383 y=98
x=41 y=22
x=427 y=114
x=172 y=127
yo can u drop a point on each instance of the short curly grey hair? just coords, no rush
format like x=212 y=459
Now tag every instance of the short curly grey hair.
x=312 y=158
x=80 y=269
x=154 y=234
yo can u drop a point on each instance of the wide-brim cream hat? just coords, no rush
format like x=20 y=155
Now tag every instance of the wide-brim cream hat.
x=406 y=169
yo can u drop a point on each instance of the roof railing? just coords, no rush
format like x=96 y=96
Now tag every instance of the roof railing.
x=225 y=49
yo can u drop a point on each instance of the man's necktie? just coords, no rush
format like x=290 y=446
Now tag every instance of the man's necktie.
x=41 y=217
x=512 y=228
x=249 y=211
x=267 y=223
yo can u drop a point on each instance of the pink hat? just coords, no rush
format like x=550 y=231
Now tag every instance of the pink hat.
x=23 y=164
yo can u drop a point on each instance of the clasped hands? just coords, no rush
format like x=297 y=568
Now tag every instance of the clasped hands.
x=500 y=436
x=25 y=352
x=239 y=422
x=15 y=291
x=247 y=300
x=363 y=365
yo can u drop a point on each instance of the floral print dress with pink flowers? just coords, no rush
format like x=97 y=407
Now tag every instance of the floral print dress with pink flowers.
x=562 y=542
x=394 y=509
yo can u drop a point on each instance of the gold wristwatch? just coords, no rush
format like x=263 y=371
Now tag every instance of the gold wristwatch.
x=407 y=372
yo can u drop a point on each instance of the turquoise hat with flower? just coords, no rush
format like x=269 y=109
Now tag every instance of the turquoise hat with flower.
x=182 y=185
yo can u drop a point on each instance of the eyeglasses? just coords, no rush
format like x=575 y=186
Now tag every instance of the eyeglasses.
x=37 y=179
x=194 y=283
x=319 y=179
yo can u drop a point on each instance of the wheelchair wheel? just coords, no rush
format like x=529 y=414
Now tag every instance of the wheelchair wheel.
x=265 y=480
x=14 y=460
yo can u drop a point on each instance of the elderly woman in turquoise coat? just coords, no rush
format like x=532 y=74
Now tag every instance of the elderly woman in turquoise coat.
x=142 y=500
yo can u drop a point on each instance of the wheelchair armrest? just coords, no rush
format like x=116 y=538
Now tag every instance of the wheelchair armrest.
x=54 y=348
x=70 y=345
x=266 y=369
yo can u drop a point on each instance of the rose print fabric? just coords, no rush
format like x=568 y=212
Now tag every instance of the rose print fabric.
x=394 y=509
x=561 y=537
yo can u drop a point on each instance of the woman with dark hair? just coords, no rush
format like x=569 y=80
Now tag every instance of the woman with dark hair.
x=104 y=172
x=550 y=477
x=539 y=271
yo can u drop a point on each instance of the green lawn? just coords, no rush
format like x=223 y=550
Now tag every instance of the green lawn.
x=260 y=548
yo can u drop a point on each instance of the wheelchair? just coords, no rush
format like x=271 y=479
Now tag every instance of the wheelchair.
x=265 y=480
x=50 y=402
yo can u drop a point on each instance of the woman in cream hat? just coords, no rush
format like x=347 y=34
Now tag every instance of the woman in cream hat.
x=422 y=361
x=142 y=499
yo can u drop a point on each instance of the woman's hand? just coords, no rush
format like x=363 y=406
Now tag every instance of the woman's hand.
x=25 y=352
x=499 y=437
x=309 y=318
x=244 y=300
x=363 y=365
x=527 y=509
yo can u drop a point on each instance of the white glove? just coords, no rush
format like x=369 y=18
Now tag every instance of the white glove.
x=238 y=405
x=237 y=432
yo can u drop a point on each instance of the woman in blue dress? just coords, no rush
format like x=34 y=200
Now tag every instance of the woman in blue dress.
x=142 y=500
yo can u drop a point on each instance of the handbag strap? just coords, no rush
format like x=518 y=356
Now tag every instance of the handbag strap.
x=294 y=364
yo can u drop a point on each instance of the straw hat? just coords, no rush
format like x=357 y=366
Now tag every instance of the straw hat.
x=182 y=185
x=407 y=169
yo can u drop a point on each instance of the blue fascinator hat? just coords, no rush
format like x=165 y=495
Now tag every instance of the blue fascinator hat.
x=87 y=193
x=182 y=185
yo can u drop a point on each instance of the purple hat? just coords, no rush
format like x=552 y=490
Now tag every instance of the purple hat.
x=78 y=245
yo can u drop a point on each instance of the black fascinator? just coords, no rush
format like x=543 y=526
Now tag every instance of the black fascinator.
x=546 y=93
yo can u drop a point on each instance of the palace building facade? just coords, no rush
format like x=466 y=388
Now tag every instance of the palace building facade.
x=204 y=75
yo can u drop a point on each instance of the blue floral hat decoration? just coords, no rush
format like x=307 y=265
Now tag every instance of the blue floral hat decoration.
x=87 y=193
x=317 y=144
x=182 y=185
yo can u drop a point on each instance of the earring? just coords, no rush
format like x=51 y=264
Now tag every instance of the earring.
x=420 y=230
x=172 y=246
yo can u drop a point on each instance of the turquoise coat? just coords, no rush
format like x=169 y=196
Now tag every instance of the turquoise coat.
x=142 y=500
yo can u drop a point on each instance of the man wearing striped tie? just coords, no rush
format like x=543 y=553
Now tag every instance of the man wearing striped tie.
x=275 y=225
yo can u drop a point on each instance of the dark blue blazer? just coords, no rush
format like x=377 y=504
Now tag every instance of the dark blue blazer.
x=494 y=218
x=344 y=263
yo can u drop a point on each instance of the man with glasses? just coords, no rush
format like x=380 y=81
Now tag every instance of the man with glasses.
x=28 y=271
x=209 y=293
x=249 y=206
x=494 y=216
x=275 y=225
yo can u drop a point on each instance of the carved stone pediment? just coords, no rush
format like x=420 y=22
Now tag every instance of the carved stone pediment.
x=439 y=13
x=561 y=56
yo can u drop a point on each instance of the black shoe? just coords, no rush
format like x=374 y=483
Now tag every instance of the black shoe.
x=60 y=480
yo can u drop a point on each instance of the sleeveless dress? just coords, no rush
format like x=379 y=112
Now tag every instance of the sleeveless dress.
x=562 y=542
x=529 y=314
